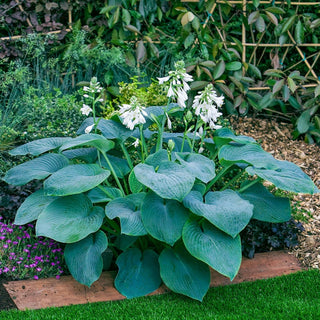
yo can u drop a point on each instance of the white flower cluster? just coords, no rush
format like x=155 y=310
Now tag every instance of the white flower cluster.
x=133 y=113
x=206 y=106
x=178 y=83
x=94 y=87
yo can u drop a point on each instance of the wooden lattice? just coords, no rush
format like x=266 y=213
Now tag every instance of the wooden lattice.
x=260 y=44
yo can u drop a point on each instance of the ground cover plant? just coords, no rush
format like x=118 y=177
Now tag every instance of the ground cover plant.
x=154 y=197
x=294 y=296
x=24 y=256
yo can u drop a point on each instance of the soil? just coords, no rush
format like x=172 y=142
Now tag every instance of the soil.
x=274 y=137
x=6 y=302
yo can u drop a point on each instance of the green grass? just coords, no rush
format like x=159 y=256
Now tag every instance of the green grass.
x=295 y=296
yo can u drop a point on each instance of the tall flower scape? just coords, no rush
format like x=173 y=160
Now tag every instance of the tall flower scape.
x=167 y=204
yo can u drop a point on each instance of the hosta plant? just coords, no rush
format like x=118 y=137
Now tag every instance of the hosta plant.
x=168 y=204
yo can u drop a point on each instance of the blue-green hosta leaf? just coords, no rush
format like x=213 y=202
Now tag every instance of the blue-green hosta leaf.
x=287 y=176
x=248 y=153
x=109 y=129
x=139 y=273
x=267 y=207
x=69 y=219
x=104 y=194
x=119 y=165
x=38 y=168
x=39 y=146
x=32 y=207
x=183 y=273
x=163 y=219
x=197 y=165
x=128 y=211
x=84 y=259
x=155 y=159
x=225 y=209
x=91 y=140
x=214 y=247
x=224 y=136
x=171 y=181
x=75 y=179
x=88 y=155
x=124 y=242
x=134 y=184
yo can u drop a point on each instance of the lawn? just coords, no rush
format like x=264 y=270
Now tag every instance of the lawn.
x=295 y=296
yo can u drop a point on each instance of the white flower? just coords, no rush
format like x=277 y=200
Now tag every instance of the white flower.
x=89 y=129
x=201 y=149
x=177 y=83
x=136 y=143
x=206 y=106
x=169 y=122
x=86 y=89
x=133 y=113
x=85 y=109
x=86 y=96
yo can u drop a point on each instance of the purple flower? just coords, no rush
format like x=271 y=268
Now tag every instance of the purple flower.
x=35 y=277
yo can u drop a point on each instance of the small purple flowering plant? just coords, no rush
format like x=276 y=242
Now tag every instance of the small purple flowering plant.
x=25 y=256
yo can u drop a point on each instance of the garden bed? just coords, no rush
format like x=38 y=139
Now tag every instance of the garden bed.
x=43 y=293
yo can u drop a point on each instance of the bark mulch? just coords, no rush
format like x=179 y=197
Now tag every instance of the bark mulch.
x=275 y=137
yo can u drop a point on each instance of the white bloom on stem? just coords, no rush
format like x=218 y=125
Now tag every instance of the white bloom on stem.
x=133 y=113
x=201 y=149
x=136 y=143
x=85 y=109
x=169 y=122
x=89 y=129
x=87 y=89
x=206 y=106
x=177 y=83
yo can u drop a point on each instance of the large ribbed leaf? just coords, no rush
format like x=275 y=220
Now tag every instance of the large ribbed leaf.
x=119 y=165
x=138 y=274
x=183 y=273
x=267 y=207
x=287 y=176
x=128 y=211
x=84 y=258
x=104 y=194
x=197 y=165
x=39 y=146
x=155 y=159
x=88 y=155
x=75 y=179
x=38 y=168
x=224 y=135
x=214 y=247
x=171 y=181
x=69 y=219
x=225 y=209
x=248 y=153
x=163 y=219
x=109 y=128
x=32 y=207
x=91 y=140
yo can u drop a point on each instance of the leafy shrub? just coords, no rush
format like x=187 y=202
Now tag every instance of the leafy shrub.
x=164 y=217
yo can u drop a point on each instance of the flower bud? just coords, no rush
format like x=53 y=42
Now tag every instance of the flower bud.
x=171 y=145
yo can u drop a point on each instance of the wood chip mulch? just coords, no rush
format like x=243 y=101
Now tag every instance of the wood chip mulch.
x=275 y=137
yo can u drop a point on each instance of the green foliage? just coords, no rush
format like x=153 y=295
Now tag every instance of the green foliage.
x=164 y=197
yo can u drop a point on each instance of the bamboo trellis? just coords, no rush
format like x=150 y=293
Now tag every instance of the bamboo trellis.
x=260 y=44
